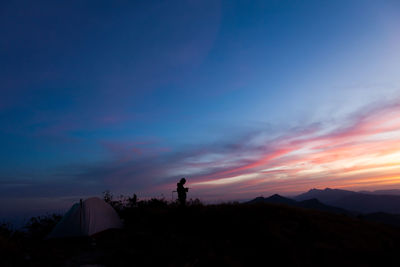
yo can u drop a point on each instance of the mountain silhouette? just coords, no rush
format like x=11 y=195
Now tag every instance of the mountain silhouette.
x=314 y=203
x=327 y=196
x=276 y=199
x=382 y=192
x=317 y=205
x=354 y=201
x=366 y=203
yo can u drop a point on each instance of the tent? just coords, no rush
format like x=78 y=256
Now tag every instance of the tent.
x=87 y=218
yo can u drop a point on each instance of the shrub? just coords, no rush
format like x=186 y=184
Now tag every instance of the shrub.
x=40 y=226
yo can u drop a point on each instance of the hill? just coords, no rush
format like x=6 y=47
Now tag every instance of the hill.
x=355 y=201
x=327 y=195
x=381 y=217
x=317 y=205
x=382 y=192
x=307 y=204
x=160 y=234
x=276 y=199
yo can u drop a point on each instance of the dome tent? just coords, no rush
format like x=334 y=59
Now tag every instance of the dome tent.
x=87 y=218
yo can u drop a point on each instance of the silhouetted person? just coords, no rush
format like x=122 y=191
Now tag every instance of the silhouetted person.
x=182 y=191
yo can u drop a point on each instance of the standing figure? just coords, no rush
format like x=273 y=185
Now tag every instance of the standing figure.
x=182 y=191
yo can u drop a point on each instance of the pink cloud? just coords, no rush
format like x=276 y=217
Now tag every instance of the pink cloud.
x=344 y=157
x=360 y=152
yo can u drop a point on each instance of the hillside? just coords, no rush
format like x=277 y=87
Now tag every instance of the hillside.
x=312 y=203
x=395 y=192
x=158 y=234
x=327 y=195
x=355 y=201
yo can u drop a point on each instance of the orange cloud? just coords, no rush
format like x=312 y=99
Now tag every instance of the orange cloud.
x=364 y=154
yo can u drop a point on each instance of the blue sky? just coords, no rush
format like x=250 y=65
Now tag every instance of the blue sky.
x=130 y=96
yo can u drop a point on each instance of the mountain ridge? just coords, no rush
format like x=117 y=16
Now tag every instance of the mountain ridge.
x=354 y=201
x=313 y=203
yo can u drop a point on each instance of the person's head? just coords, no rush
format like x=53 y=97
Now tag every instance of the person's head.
x=182 y=181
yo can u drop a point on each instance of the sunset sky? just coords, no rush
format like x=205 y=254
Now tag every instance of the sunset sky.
x=244 y=98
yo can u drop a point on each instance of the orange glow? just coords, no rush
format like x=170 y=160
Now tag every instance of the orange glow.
x=364 y=155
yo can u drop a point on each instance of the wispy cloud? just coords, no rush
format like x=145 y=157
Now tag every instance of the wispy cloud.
x=358 y=152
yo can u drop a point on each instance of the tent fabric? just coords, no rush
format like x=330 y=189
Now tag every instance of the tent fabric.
x=87 y=218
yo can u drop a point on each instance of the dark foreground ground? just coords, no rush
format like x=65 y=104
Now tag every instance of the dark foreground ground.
x=157 y=234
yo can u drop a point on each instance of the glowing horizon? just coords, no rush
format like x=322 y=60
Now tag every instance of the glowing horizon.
x=363 y=155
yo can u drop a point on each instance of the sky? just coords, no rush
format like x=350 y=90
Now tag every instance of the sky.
x=244 y=98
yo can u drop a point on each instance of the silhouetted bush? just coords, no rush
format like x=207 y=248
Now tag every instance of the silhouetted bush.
x=5 y=230
x=153 y=203
x=108 y=197
x=194 y=202
x=161 y=233
x=131 y=202
x=40 y=226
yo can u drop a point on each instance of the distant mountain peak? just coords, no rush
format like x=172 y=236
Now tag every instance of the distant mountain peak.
x=275 y=198
x=327 y=189
x=312 y=203
x=376 y=201
x=327 y=195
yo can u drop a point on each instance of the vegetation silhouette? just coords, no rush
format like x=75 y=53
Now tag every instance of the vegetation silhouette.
x=38 y=227
x=158 y=233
